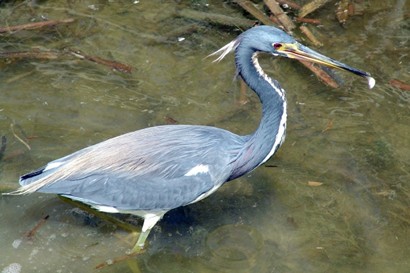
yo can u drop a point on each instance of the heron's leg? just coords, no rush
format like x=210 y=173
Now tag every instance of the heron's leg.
x=150 y=220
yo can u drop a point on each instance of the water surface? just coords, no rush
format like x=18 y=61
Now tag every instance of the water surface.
x=351 y=139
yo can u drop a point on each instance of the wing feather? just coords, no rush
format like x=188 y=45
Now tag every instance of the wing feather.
x=141 y=161
x=121 y=193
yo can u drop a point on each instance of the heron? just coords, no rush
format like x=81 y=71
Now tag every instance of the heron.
x=151 y=171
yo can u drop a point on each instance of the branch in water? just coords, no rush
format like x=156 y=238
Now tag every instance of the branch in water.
x=35 y=25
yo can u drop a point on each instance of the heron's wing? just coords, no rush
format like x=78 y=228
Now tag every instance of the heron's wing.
x=194 y=158
x=123 y=194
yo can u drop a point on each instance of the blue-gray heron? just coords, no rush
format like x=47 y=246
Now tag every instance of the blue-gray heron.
x=153 y=170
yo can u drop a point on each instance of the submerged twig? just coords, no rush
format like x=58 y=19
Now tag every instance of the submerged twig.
x=314 y=183
x=254 y=11
x=329 y=125
x=18 y=77
x=308 y=20
x=19 y=138
x=311 y=7
x=3 y=146
x=305 y=30
x=397 y=215
x=321 y=74
x=33 y=54
x=30 y=234
x=109 y=63
x=276 y=10
x=170 y=120
x=117 y=260
x=399 y=84
x=36 y=25
x=53 y=54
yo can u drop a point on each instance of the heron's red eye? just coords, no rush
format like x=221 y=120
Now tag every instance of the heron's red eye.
x=277 y=45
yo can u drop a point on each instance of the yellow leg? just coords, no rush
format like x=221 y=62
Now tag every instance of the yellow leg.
x=150 y=219
x=139 y=245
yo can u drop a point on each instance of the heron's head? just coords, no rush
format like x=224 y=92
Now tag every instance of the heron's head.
x=278 y=43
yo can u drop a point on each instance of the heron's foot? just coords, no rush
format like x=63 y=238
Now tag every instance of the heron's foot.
x=129 y=239
x=131 y=262
x=139 y=245
x=135 y=239
x=136 y=250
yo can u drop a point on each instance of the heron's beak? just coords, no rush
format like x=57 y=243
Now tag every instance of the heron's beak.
x=301 y=52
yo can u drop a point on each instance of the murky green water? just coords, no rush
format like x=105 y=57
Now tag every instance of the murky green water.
x=353 y=140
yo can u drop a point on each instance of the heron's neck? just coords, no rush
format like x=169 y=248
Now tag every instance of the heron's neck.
x=270 y=134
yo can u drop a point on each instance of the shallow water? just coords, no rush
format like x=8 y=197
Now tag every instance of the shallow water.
x=351 y=139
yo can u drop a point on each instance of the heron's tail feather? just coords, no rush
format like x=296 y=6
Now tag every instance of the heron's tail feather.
x=34 y=186
x=37 y=179
x=20 y=191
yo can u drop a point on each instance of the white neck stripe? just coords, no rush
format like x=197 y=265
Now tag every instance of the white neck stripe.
x=280 y=137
